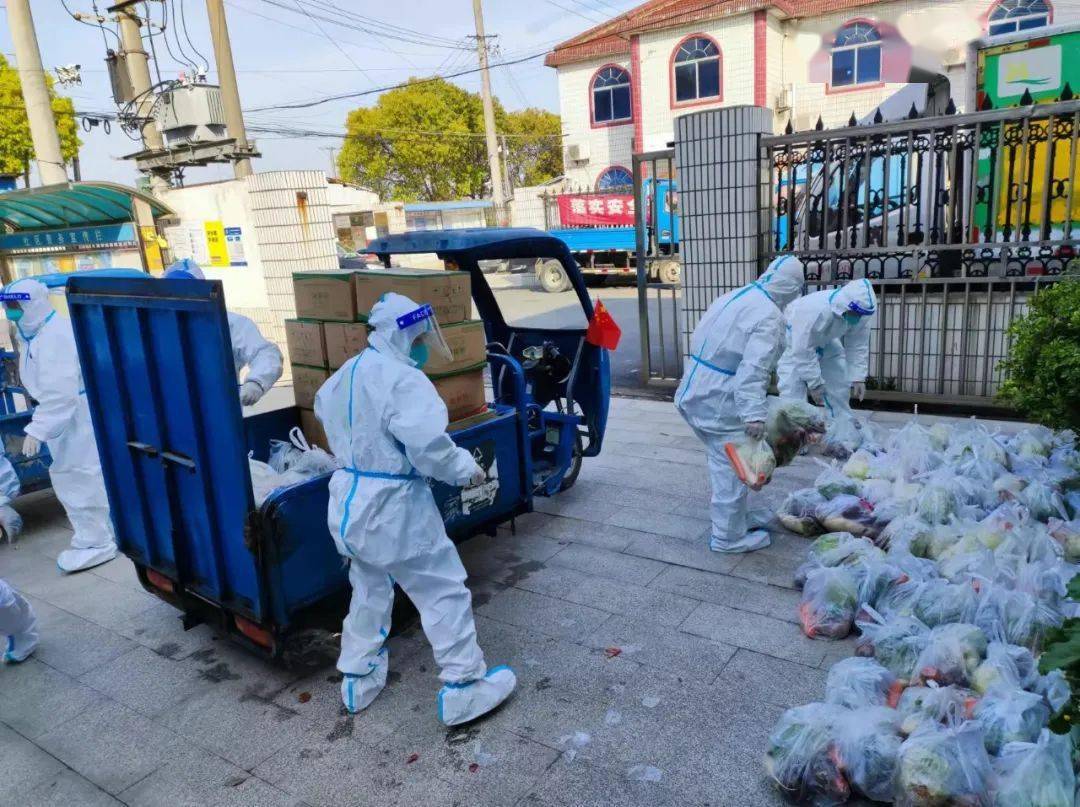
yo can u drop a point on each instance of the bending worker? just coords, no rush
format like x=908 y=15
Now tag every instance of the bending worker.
x=50 y=372
x=18 y=626
x=827 y=353
x=722 y=395
x=250 y=349
x=384 y=419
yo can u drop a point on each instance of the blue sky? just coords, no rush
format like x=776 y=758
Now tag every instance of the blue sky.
x=281 y=55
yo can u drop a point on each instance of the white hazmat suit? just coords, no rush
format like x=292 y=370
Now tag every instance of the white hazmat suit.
x=18 y=626
x=734 y=349
x=827 y=350
x=49 y=370
x=384 y=419
x=250 y=349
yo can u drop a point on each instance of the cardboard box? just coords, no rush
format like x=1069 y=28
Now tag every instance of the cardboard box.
x=343 y=341
x=463 y=392
x=306 y=382
x=313 y=429
x=467 y=341
x=475 y=420
x=449 y=293
x=306 y=342
x=325 y=296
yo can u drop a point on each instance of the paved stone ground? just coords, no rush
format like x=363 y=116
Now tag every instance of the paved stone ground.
x=650 y=669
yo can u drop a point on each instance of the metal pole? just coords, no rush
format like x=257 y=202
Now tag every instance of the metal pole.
x=230 y=95
x=50 y=161
x=137 y=62
x=497 y=196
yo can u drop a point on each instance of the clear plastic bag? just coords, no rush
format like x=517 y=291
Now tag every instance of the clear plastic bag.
x=868 y=745
x=879 y=581
x=937 y=504
x=1067 y=533
x=1006 y=665
x=1010 y=715
x=797 y=512
x=265 y=480
x=838 y=549
x=896 y=643
x=1015 y=616
x=952 y=654
x=940 y=602
x=300 y=456
x=1038 y=774
x=933 y=704
x=829 y=601
x=753 y=461
x=847 y=513
x=908 y=534
x=944 y=767
x=861 y=682
x=831 y=483
x=858 y=465
x=790 y=425
x=1043 y=502
x=1008 y=487
x=1033 y=443
x=803 y=760
x=1054 y=689
x=843 y=438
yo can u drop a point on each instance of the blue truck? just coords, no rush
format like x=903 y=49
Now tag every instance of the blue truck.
x=612 y=251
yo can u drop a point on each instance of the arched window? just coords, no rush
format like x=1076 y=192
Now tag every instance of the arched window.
x=1010 y=16
x=614 y=178
x=856 y=55
x=696 y=68
x=611 y=95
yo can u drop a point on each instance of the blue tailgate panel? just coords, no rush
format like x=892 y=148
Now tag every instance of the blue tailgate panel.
x=161 y=385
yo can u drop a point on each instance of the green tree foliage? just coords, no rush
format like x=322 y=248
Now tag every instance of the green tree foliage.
x=1043 y=366
x=16 y=147
x=423 y=142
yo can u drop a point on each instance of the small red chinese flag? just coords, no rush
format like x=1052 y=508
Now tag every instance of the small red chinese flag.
x=603 y=332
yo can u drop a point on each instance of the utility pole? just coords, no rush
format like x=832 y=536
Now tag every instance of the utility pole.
x=230 y=95
x=497 y=195
x=50 y=161
x=137 y=63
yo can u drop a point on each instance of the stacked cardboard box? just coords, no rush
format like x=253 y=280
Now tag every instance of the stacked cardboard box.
x=331 y=328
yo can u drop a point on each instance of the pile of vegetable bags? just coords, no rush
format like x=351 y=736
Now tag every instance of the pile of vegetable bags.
x=290 y=462
x=789 y=426
x=949 y=551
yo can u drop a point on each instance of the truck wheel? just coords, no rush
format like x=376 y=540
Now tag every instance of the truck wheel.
x=553 y=277
x=575 y=467
x=669 y=272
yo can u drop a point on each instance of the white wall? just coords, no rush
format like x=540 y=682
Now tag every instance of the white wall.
x=608 y=145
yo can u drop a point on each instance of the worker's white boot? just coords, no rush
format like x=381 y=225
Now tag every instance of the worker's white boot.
x=460 y=703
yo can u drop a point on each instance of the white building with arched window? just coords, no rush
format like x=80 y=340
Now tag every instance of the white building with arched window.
x=623 y=83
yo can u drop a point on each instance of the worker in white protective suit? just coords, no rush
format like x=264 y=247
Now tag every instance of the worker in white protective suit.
x=384 y=419
x=734 y=350
x=250 y=349
x=18 y=626
x=50 y=372
x=827 y=350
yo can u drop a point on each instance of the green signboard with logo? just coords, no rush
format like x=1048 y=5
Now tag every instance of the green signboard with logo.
x=1040 y=65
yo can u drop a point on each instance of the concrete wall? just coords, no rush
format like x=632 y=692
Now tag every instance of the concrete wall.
x=608 y=145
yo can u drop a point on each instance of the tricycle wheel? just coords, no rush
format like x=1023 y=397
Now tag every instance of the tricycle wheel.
x=552 y=276
x=575 y=466
x=669 y=272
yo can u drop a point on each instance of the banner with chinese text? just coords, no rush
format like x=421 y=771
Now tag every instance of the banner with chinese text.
x=599 y=210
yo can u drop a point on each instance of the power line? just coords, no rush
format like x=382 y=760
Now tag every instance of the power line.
x=78 y=18
x=571 y=10
x=187 y=60
x=295 y=133
x=333 y=7
x=344 y=96
x=183 y=21
x=333 y=41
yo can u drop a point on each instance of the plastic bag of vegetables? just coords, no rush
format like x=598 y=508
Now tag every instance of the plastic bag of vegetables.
x=803 y=760
x=860 y=682
x=835 y=549
x=790 y=425
x=952 y=654
x=940 y=602
x=831 y=483
x=938 y=503
x=1038 y=774
x=797 y=512
x=1067 y=533
x=1034 y=442
x=1010 y=715
x=868 y=745
x=1008 y=487
x=879 y=580
x=1043 y=501
x=842 y=438
x=1054 y=689
x=1006 y=665
x=858 y=465
x=896 y=643
x=1015 y=616
x=753 y=462
x=906 y=534
x=933 y=704
x=944 y=767
x=829 y=601
x=847 y=513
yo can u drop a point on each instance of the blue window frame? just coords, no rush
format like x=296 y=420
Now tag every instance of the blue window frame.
x=611 y=96
x=697 y=70
x=1011 y=16
x=614 y=178
x=856 y=55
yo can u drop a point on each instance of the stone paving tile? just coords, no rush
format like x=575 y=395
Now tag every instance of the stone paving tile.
x=693 y=553
x=628 y=569
x=754 y=632
x=35 y=698
x=544 y=614
x=609 y=595
x=23 y=765
x=674 y=526
x=781 y=683
x=734 y=592
x=65 y=789
x=145 y=681
x=112 y=746
x=160 y=629
x=774 y=569
x=585 y=508
x=577 y=531
x=577 y=783
x=119 y=570
x=71 y=644
x=93 y=598
x=655 y=645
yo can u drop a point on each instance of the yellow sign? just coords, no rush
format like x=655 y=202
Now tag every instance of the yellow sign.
x=152 y=249
x=216 y=247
